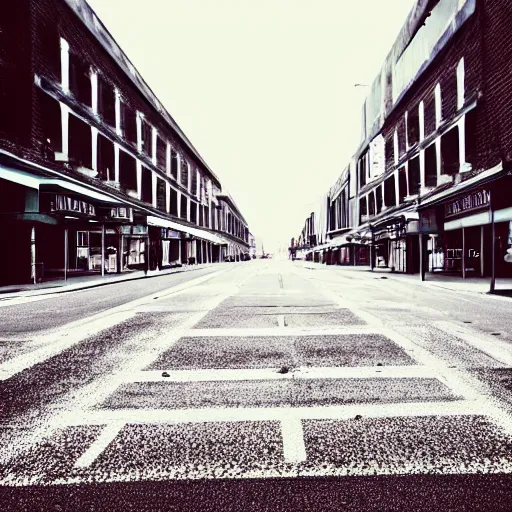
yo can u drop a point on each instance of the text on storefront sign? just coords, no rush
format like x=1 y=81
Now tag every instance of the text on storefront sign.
x=475 y=201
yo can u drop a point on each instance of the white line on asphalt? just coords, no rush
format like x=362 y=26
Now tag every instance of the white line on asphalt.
x=57 y=343
x=294 y=449
x=280 y=321
x=499 y=350
x=307 y=372
x=108 y=434
x=289 y=331
x=78 y=417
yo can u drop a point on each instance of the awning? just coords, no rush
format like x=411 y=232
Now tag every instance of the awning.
x=479 y=219
x=52 y=184
x=198 y=233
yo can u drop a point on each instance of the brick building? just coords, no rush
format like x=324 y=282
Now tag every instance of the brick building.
x=430 y=180
x=95 y=174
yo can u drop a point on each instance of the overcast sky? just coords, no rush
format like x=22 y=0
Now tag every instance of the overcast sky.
x=264 y=89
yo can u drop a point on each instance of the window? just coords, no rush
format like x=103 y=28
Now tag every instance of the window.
x=184 y=206
x=401 y=138
x=363 y=211
x=127 y=172
x=193 y=180
x=80 y=79
x=129 y=123
x=50 y=124
x=414 y=176
x=80 y=142
x=390 y=192
x=402 y=185
x=389 y=152
x=147 y=185
x=106 y=101
x=449 y=94
x=193 y=212
x=174 y=202
x=161 y=195
x=161 y=153
x=378 y=198
x=371 y=203
x=450 y=152
x=201 y=215
x=429 y=115
x=431 y=166
x=147 y=136
x=184 y=173
x=106 y=170
x=470 y=133
x=362 y=171
x=174 y=164
x=413 y=126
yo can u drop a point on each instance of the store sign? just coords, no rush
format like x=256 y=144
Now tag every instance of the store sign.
x=67 y=204
x=134 y=230
x=479 y=200
x=121 y=213
x=170 y=233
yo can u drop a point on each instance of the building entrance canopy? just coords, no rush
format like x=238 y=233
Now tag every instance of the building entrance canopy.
x=199 y=233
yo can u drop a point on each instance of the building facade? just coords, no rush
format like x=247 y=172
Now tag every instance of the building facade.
x=95 y=174
x=429 y=184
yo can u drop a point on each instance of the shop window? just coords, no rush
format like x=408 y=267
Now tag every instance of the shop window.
x=127 y=172
x=50 y=124
x=80 y=79
x=183 y=207
x=106 y=101
x=174 y=164
x=161 y=153
x=371 y=204
x=390 y=192
x=193 y=212
x=450 y=152
x=129 y=123
x=80 y=142
x=184 y=173
x=402 y=185
x=431 y=166
x=414 y=176
x=147 y=185
x=378 y=198
x=147 y=136
x=106 y=170
x=413 y=126
x=161 y=196
x=174 y=202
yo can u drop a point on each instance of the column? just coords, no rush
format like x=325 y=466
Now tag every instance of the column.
x=482 y=251
x=463 y=254
x=102 y=250
x=65 y=254
x=33 y=271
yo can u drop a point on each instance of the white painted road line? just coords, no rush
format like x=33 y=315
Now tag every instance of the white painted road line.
x=338 y=412
x=279 y=331
x=109 y=433
x=294 y=448
x=57 y=343
x=280 y=321
x=497 y=349
x=215 y=375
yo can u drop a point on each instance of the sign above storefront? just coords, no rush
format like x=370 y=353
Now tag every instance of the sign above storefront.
x=477 y=200
x=66 y=204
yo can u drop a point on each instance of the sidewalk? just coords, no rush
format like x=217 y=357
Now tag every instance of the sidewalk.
x=454 y=283
x=82 y=282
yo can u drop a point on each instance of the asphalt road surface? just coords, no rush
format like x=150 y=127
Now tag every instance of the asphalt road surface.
x=263 y=385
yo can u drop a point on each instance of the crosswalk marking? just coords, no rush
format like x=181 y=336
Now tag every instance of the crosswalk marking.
x=108 y=434
x=294 y=448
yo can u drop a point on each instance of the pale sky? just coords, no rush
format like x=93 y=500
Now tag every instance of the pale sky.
x=263 y=89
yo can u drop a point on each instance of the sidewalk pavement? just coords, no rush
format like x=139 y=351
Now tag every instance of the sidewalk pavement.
x=81 y=282
x=454 y=283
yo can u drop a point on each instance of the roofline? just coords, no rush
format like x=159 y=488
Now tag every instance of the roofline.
x=228 y=199
x=99 y=31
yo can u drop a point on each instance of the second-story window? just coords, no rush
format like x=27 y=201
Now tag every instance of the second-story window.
x=431 y=166
x=183 y=206
x=174 y=164
x=450 y=163
x=390 y=192
x=413 y=126
x=147 y=185
x=105 y=167
x=174 y=202
x=184 y=173
x=161 y=194
x=147 y=137
x=80 y=143
x=402 y=185
x=80 y=79
x=193 y=184
x=129 y=123
x=106 y=101
x=414 y=176
x=161 y=153
x=127 y=173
